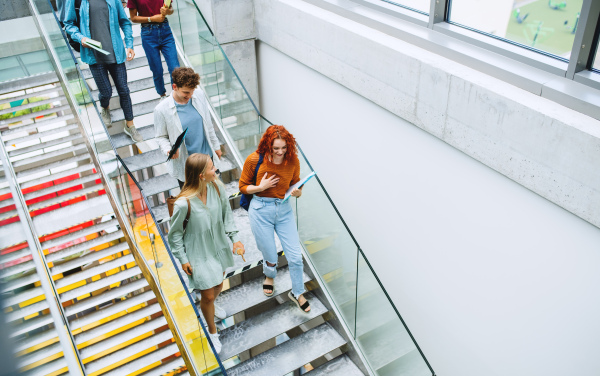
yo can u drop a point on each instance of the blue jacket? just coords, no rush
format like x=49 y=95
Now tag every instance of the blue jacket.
x=118 y=18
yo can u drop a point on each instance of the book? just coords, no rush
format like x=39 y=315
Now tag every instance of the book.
x=94 y=44
x=177 y=144
x=299 y=184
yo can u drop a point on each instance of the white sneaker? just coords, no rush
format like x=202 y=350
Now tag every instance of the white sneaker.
x=220 y=313
x=216 y=341
x=105 y=113
x=133 y=133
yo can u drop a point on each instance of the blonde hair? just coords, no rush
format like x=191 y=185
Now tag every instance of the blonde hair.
x=195 y=165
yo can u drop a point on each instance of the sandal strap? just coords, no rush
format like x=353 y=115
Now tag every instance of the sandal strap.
x=305 y=306
x=267 y=287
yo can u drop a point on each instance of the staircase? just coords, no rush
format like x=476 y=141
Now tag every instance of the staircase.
x=112 y=313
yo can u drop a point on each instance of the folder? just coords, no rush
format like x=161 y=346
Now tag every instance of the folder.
x=299 y=184
x=177 y=144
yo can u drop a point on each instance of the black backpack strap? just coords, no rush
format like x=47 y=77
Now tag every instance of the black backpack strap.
x=260 y=161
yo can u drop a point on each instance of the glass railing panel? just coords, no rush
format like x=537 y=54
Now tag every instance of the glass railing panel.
x=218 y=78
x=329 y=246
x=380 y=333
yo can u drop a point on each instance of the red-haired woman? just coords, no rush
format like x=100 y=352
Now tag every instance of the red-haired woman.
x=280 y=168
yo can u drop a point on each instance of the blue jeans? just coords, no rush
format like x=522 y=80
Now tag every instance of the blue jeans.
x=156 y=38
x=267 y=217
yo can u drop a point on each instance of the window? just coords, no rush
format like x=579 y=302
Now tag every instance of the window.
x=421 y=6
x=545 y=25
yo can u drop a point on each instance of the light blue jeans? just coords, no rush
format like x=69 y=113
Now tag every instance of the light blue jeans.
x=267 y=217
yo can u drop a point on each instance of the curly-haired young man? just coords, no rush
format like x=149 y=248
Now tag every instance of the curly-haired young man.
x=185 y=109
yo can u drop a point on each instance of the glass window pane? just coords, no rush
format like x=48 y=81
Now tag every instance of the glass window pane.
x=545 y=25
x=420 y=5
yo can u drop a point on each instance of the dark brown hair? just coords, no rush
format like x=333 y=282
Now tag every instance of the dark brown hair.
x=185 y=77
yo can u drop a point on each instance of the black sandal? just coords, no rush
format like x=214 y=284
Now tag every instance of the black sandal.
x=269 y=287
x=303 y=307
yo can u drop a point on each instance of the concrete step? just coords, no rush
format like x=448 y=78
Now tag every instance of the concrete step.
x=71 y=215
x=14 y=256
x=105 y=312
x=25 y=280
x=81 y=167
x=74 y=139
x=30 y=82
x=167 y=368
x=120 y=140
x=266 y=325
x=291 y=354
x=12 y=234
x=26 y=311
x=100 y=331
x=48 y=368
x=89 y=258
x=39 y=355
x=34 y=340
x=22 y=296
x=29 y=325
x=64 y=152
x=107 y=344
x=411 y=364
x=41 y=123
x=62 y=186
x=145 y=160
x=52 y=90
x=138 y=110
x=66 y=197
x=76 y=235
x=135 y=86
x=27 y=106
x=50 y=166
x=159 y=184
x=340 y=366
x=145 y=361
x=93 y=271
x=385 y=344
x=250 y=294
x=4 y=123
x=97 y=285
x=39 y=135
x=136 y=348
x=16 y=269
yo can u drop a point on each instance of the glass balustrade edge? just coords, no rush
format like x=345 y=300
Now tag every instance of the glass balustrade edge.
x=73 y=357
x=189 y=296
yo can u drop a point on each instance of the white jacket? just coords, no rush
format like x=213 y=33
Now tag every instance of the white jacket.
x=167 y=128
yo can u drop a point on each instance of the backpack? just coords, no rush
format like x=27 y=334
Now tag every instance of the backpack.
x=246 y=198
x=76 y=46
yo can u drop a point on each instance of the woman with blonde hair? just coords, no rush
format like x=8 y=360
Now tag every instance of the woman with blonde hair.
x=202 y=246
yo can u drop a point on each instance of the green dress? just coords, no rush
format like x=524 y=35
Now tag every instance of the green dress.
x=204 y=244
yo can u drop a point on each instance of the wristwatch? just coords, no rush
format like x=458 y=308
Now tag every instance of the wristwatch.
x=149 y=20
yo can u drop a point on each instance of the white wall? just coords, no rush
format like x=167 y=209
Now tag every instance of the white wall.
x=491 y=278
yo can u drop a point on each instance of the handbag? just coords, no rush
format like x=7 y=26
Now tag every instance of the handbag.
x=246 y=198
x=171 y=203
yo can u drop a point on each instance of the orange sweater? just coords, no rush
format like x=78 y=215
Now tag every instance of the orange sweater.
x=289 y=174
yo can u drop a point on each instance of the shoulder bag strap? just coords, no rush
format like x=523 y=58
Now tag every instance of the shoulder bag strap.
x=187 y=217
x=260 y=161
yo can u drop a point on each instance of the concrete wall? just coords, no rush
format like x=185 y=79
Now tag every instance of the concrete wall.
x=491 y=278
x=545 y=147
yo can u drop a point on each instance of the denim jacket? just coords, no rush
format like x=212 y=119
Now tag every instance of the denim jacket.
x=118 y=18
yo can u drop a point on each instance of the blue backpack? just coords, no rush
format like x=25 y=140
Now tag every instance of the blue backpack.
x=245 y=200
